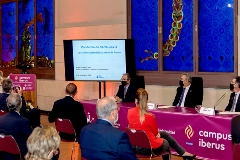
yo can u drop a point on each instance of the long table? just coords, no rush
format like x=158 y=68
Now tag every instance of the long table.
x=208 y=137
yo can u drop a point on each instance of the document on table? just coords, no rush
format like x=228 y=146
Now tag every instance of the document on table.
x=165 y=106
x=229 y=113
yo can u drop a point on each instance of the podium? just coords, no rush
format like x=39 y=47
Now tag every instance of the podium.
x=28 y=84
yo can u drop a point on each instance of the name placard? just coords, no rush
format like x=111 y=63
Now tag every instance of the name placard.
x=151 y=105
x=207 y=111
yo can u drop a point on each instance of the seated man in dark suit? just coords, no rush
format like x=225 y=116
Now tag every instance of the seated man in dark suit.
x=16 y=125
x=101 y=140
x=186 y=95
x=126 y=91
x=68 y=108
x=33 y=115
x=234 y=101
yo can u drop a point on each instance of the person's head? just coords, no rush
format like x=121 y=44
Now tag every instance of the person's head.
x=237 y=85
x=71 y=89
x=126 y=78
x=7 y=85
x=42 y=143
x=107 y=109
x=14 y=102
x=141 y=100
x=231 y=87
x=185 y=80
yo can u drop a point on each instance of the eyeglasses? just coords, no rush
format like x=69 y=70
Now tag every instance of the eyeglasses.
x=123 y=79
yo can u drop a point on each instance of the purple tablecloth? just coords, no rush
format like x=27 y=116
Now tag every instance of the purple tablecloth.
x=207 y=136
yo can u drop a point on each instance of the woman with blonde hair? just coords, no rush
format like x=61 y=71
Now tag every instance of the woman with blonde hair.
x=140 y=119
x=43 y=143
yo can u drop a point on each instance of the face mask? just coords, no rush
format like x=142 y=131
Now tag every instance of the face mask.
x=124 y=83
x=231 y=87
x=181 y=83
x=115 y=121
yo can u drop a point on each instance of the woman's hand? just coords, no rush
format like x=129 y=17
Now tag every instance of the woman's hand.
x=158 y=135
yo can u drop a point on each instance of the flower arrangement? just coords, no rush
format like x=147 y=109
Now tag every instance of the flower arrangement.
x=29 y=105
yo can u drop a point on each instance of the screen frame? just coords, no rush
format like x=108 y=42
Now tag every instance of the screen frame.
x=69 y=64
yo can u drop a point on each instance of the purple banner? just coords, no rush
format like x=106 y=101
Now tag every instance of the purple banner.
x=206 y=136
x=26 y=81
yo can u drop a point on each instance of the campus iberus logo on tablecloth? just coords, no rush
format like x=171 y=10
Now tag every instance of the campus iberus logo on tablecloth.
x=189 y=131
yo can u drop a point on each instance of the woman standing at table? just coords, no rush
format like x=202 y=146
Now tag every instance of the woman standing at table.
x=140 y=119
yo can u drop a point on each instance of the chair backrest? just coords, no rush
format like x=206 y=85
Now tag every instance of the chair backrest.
x=138 y=138
x=236 y=150
x=64 y=125
x=235 y=129
x=197 y=84
x=2 y=112
x=138 y=82
x=8 y=144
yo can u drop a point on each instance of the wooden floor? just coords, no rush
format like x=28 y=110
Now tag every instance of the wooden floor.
x=66 y=147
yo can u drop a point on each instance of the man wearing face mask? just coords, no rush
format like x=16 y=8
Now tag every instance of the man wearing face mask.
x=186 y=95
x=101 y=140
x=231 y=87
x=126 y=91
x=234 y=101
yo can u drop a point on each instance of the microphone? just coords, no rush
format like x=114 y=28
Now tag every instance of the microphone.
x=218 y=101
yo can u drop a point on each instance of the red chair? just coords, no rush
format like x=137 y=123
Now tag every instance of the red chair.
x=65 y=126
x=9 y=145
x=236 y=150
x=139 y=138
x=2 y=112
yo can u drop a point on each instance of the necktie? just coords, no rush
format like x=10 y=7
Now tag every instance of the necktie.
x=181 y=98
x=125 y=91
x=234 y=102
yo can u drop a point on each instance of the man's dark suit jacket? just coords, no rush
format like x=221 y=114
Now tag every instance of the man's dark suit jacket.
x=18 y=126
x=191 y=100
x=68 y=108
x=33 y=115
x=100 y=141
x=230 y=103
x=130 y=95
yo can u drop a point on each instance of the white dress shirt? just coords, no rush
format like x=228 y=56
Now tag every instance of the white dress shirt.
x=184 y=96
x=236 y=97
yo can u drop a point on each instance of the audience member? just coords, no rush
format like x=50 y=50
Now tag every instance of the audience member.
x=234 y=101
x=140 y=119
x=101 y=140
x=126 y=91
x=68 y=108
x=14 y=124
x=33 y=115
x=42 y=143
x=186 y=95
